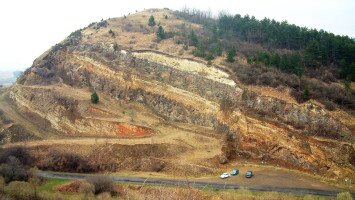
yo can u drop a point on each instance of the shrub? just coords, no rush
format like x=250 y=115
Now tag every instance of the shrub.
x=101 y=184
x=111 y=32
x=221 y=128
x=67 y=162
x=306 y=94
x=2 y=184
x=329 y=105
x=13 y=170
x=115 y=47
x=227 y=105
x=21 y=153
x=102 y=23
x=21 y=190
x=344 y=196
x=266 y=78
x=94 y=98
x=87 y=188
x=245 y=95
x=76 y=34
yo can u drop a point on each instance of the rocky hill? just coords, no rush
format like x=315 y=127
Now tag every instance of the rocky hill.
x=163 y=109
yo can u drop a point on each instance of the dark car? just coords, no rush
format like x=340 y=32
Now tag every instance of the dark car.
x=234 y=172
x=249 y=174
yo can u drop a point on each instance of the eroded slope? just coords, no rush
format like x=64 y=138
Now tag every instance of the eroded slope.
x=154 y=98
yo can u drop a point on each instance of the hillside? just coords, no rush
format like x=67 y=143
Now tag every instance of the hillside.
x=165 y=109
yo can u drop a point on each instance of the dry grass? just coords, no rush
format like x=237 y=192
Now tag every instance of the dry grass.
x=151 y=192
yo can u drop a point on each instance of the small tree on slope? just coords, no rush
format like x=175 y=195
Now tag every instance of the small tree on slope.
x=161 y=33
x=151 y=21
x=94 y=98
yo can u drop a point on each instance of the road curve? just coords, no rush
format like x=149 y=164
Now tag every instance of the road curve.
x=190 y=183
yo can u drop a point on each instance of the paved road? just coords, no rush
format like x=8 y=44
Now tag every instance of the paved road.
x=196 y=184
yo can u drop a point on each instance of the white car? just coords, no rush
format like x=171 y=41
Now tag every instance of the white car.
x=224 y=175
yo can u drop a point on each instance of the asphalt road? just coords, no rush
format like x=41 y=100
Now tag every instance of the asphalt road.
x=190 y=183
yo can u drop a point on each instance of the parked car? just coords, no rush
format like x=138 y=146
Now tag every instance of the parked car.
x=234 y=172
x=249 y=174
x=224 y=175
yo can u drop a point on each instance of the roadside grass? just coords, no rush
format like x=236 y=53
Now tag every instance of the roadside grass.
x=161 y=191
x=48 y=190
x=243 y=193
x=51 y=184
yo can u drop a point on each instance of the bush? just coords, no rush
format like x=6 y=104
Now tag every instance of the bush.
x=67 y=162
x=101 y=184
x=87 y=188
x=227 y=105
x=115 y=47
x=21 y=190
x=94 y=98
x=266 y=78
x=21 y=153
x=344 y=196
x=329 y=105
x=76 y=34
x=245 y=95
x=102 y=23
x=111 y=33
x=2 y=184
x=13 y=170
x=221 y=128
x=306 y=94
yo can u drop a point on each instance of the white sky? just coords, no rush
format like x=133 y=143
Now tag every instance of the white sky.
x=30 y=27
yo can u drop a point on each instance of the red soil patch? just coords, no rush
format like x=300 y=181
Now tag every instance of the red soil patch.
x=72 y=187
x=128 y=130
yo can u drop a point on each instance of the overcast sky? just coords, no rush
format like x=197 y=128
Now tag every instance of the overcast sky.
x=30 y=27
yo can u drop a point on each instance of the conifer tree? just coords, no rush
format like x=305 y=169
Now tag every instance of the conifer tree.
x=230 y=55
x=151 y=21
x=94 y=98
x=161 y=33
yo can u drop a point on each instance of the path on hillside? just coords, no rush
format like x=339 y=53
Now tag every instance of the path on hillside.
x=222 y=184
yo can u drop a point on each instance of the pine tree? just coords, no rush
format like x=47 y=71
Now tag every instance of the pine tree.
x=305 y=94
x=161 y=33
x=231 y=54
x=296 y=64
x=151 y=21
x=313 y=54
x=94 y=98
x=193 y=38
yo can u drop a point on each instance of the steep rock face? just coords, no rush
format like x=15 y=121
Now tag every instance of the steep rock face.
x=57 y=88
